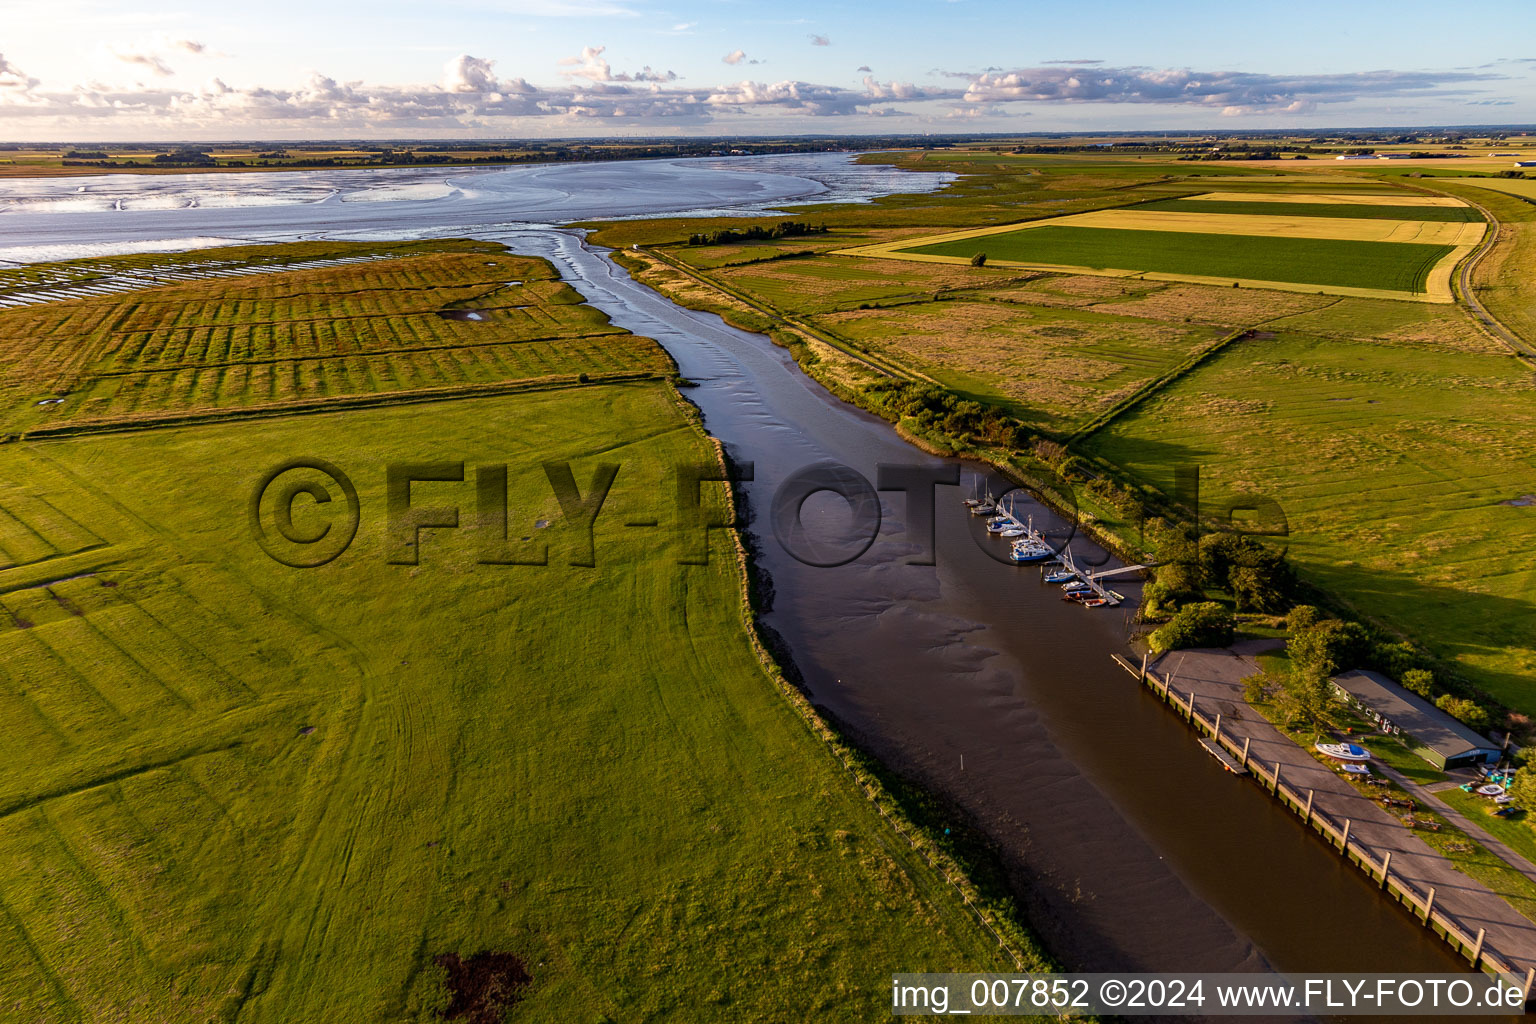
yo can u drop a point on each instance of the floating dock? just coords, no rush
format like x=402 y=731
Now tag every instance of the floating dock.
x=1227 y=760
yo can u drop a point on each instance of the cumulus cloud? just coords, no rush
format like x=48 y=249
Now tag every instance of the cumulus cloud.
x=469 y=74
x=470 y=95
x=819 y=40
x=1243 y=92
x=1079 y=62
x=735 y=57
x=591 y=66
x=863 y=67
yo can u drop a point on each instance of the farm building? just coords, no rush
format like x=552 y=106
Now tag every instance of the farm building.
x=1425 y=729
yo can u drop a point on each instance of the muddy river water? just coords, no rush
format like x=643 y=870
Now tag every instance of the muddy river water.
x=1127 y=845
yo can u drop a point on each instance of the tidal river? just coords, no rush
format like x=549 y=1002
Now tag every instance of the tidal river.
x=1126 y=844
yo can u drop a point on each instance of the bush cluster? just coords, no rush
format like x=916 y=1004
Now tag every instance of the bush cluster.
x=757 y=233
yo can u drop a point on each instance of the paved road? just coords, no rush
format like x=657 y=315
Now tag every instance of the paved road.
x=1216 y=677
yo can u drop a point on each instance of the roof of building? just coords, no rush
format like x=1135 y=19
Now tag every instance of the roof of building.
x=1413 y=714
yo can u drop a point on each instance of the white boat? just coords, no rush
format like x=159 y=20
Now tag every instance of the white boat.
x=1013 y=531
x=1077 y=588
x=1060 y=576
x=998 y=525
x=1492 y=789
x=1029 y=551
x=1344 y=751
x=1355 y=769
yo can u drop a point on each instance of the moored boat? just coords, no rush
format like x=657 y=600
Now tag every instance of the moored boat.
x=1344 y=751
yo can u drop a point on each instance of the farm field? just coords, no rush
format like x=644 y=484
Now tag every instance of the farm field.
x=1399 y=247
x=1340 y=263
x=1058 y=347
x=429 y=318
x=1400 y=464
x=232 y=787
x=1523 y=187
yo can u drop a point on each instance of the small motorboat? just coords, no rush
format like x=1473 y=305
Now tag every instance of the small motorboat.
x=1078 y=587
x=1013 y=531
x=997 y=525
x=1060 y=576
x=1344 y=751
x=1094 y=602
x=1492 y=789
x=1355 y=769
x=985 y=507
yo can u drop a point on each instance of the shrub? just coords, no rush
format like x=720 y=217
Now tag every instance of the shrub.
x=1328 y=647
x=1301 y=617
x=1469 y=712
x=1521 y=790
x=1203 y=624
x=1420 y=681
x=979 y=260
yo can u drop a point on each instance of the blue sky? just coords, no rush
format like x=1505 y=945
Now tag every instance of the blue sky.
x=86 y=69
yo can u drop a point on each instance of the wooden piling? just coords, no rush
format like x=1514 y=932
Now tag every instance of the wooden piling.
x=1429 y=906
x=1386 y=865
x=1477 y=948
x=1344 y=842
x=1143 y=677
x=1246 y=740
x=1307 y=815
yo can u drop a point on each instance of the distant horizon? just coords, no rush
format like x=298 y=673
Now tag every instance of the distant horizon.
x=84 y=70
x=1528 y=127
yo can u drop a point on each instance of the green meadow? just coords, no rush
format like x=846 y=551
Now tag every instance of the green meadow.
x=1344 y=263
x=235 y=790
x=1402 y=468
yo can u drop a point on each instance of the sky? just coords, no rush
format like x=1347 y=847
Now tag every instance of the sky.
x=155 y=70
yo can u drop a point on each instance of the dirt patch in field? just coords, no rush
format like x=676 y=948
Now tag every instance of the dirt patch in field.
x=482 y=988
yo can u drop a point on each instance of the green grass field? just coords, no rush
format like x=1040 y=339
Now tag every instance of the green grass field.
x=231 y=787
x=1454 y=214
x=236 y=790
x=1323 y=262
x=1394 y=460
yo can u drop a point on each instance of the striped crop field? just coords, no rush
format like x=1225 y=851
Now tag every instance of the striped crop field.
x=1383 y=246
x=423 y=320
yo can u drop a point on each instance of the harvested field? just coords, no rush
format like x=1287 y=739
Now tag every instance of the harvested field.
x=1203 y=304
x=1052 y=369
x=1284 y=206
x=1523 y=187
x=1399 y=199
x=1143 y=218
